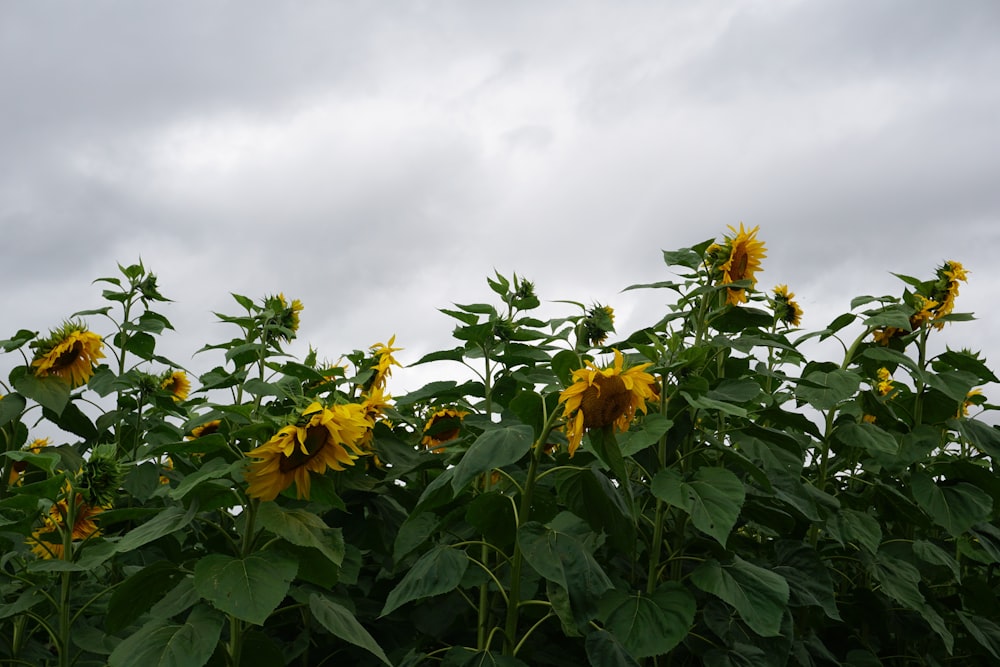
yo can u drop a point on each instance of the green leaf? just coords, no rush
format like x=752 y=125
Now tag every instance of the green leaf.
x=604 y=650
x=138 y=593
x=163 y=644
x=341 y=623
x=983 y=630
x=653 y=625
x=713 y=498
x=213 y=469
x=824 y=390
x=706 y=403
x=493 y=515
x=759 y=596
x=460 y=656
x=934 y=555
x=302 y=528
x=878 y=443
x=248 y=588
x=11 y=407
x=857 y=527
x=415 y=531
x=561 y=557
x=49 y=392
x=495 y=448
x=900 y=580
x=955 y=507
x=438 y=571
x=650 y=430
x=808 y=578
x=168 y=521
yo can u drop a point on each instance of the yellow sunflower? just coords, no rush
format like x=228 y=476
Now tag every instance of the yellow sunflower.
x=598 y=323
x=946 y=289
x=383 y=361
x=443 y=426
x=18 y=467
x=69 y=353
x=970 y=400
x=785 y=308
x=47 y=542
x=884 y=385
x=177 y=384
x=601 y=397
x=373 y=405
x=208 y=428
x=322 y=441
x=745 y=255
x=291 y=316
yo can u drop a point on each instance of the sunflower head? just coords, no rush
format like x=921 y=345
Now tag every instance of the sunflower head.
x=208 y=428
x=69 y=352
x=605 y=397
x=598 y=322
x=17 y=468
x=741 y=253
x=176 y=384
x=945 y=289
x=322 y=438
x=47 y=542
x=443 y=426
x=884 y=385
x=380 y=363
x=101 y=477
x=974 y=397
x=786 y=309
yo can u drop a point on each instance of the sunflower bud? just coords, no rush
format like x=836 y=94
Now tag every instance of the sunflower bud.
x=101 y=477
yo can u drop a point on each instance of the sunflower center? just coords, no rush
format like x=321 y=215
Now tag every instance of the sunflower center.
x=604 y=401
x=739 y=265
x=68 y=357
x=316 y=437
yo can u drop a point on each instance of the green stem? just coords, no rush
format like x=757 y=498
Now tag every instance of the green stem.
x=523 y=514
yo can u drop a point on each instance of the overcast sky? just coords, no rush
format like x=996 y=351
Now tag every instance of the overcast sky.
x=378 y=160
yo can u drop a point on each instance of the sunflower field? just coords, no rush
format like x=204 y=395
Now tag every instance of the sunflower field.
x=701 y=491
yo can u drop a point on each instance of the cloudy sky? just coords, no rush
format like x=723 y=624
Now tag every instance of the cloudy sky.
x=378 y=160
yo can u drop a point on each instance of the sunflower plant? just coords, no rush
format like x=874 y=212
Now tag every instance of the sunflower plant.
x=713 y=488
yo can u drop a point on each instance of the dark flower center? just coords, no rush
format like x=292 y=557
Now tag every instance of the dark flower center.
x=316 y=437
x=604 y=401
x=69 y=357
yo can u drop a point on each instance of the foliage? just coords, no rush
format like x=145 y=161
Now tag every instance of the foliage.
x=700 y=491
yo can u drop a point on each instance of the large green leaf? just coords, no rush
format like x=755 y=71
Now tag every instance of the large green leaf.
x=808 y=577
x=302 y=528
x=758 y=595
x=900 y=580
x=163 y=644
x=248 y=588
x=11 y=407
x=878 y=443
x=49 y=392
x=984 y=631
x=168 y=521
x=139 y=592
x=495 y=448
x=438 y=571
x=604 y=650
x=955 y=507
x=561 y=556
x=649 y=625
x=824 y=390
x=342 y=623
x=713 y=498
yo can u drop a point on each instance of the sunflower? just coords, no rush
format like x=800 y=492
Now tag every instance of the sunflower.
x=597 y=324
x=785 y=308
x=70 y=353
x=946 y=288
x=970 y=400
x=166 y=467
x=208 y=428
x=443 y=426
x=321 y=440
x=382 y=363
x=47 y=542
x=18 y=467
x=884 y=385
x=373 y=406
x=290 y=317
x=745 y=255
x=177 y=384
x=602 y=397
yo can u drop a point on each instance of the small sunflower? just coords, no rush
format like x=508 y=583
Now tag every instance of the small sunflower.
x=974 y=397
x=382 y=363
x=745 y=255
x=47 y=542
x=602 y=397
x=442 y=426
x=208 y=428
x=946 y=288
x=166 y=467
x=597 y=324
x=290 y=317
x=70 y=353
x=373 y=404
x=785 y=308
x=177 y=385
x=884 y=386
x=321 y=440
